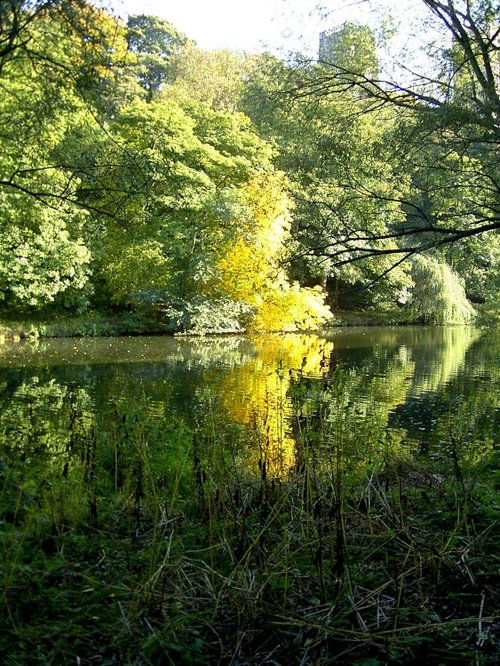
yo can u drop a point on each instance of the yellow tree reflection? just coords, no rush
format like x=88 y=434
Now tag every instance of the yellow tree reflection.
x=256 y=393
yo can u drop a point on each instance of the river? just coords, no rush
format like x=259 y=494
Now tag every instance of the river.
x=424 y=387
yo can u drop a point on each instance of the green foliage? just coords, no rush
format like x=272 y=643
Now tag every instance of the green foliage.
x=380 y=169
x=181 y=175
x=153 y=35
x=438 y=295
x=197 y=211
x=202 y=315
x=477 y=261
x=174 y=155
x=45 y=242
x=132 y=267
x=39 y=261
x=338 y=160
x=153 y=41
x=351 y=47
x=215 y=78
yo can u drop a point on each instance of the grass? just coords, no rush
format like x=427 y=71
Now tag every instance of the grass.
x=126 y=540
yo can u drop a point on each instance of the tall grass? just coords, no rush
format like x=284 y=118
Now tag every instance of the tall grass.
x=142 y=541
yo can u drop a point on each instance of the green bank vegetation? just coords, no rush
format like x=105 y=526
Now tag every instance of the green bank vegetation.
x=218 y=192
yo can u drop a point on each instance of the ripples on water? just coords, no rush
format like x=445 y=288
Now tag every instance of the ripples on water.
x=427 y=385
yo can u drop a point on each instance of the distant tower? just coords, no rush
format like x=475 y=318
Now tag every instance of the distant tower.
x=351 y=47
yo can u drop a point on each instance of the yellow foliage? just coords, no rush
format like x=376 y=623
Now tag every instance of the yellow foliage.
x=244 y=271
x=291 y=308
x=251 y=268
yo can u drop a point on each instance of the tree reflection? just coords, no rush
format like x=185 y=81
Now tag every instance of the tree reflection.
x=256 y=393
x=439 y=362
x=396 y=381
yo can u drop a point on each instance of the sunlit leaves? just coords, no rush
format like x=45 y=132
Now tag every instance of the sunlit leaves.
x=438 y=296
x=38 y=258
x=215 y=78
x=251 y=268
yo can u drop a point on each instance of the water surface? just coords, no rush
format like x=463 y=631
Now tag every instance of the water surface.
x=425 y=386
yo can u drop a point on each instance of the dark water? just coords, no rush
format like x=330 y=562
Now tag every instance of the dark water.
x=429 y=387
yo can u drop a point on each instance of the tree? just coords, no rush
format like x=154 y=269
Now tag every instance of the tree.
x=42 y=260
x=171 y=194
x=16 y=17
x=438 y=296
x=446 y=136
x=200 y=222
x=352 y=46
x=251 y=271
x=213 y=77
x=332 y=153
x=64 y=56
x=153 y=41
x=58 y=66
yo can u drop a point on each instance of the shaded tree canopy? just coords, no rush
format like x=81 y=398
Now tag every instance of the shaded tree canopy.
x=153 y=41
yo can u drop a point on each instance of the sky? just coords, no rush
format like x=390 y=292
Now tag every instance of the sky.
x=279 y=26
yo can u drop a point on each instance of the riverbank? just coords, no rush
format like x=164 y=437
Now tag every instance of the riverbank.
x=91 y=324
x=116 y=323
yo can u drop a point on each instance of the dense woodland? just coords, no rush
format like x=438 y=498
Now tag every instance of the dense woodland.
x=213 y=191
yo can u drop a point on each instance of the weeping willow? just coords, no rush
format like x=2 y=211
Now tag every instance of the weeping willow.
x=438 y=295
